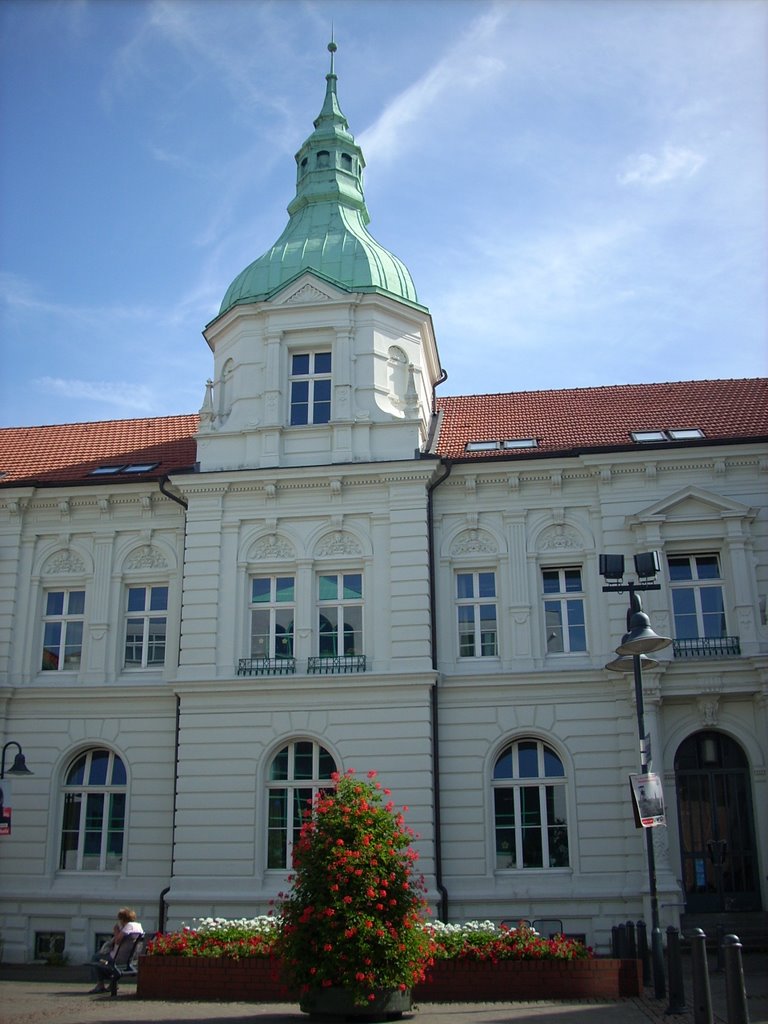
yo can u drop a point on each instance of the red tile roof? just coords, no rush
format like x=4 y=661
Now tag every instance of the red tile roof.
x=71 y=451
x=562 y=422
x=580 y=419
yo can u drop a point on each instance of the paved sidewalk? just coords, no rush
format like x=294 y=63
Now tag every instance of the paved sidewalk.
x=39 y=995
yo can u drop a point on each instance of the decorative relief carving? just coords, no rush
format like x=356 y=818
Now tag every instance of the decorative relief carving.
x=64 y=562
x=709 y=705
x=472 y=542
x=338 y=544
x=307 y=294
x=559 y=538
x=272 y=548
x=147 y=557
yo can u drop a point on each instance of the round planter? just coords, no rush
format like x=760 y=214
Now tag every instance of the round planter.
x=338 y=1004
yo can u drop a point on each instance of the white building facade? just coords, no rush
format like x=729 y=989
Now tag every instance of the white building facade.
x=330 y=568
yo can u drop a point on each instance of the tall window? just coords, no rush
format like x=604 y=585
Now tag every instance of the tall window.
x=530 y=816
x=63 y=630
x=697 y=596
x=296 y=775
x=476 y=611
x=146 y=626
x=310 y=388
x=93 y=826
x=340 y=599
x=273 y=604
x=564 y=611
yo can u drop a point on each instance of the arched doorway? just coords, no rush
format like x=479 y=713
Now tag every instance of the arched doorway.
x=717 y=834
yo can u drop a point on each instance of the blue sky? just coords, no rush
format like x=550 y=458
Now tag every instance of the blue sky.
x=578 y=187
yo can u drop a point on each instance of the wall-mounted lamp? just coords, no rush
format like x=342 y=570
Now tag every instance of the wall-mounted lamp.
x=19 y=766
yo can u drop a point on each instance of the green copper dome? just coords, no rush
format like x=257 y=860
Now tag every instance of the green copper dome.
x=326 y=232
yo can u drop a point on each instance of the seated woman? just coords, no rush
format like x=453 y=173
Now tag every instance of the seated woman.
x=126 y=932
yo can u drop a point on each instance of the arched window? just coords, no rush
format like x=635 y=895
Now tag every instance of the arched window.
x=93 y=825
x=297 y=773
x=323 y=158
x=346 y=162
x=530 y=807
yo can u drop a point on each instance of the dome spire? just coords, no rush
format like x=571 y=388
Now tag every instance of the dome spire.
x=327 y=230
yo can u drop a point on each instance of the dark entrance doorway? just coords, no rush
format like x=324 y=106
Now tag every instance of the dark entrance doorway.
x=717 y=835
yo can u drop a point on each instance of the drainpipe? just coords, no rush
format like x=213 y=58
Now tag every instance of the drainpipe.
x=163 y=906
x=434 y=701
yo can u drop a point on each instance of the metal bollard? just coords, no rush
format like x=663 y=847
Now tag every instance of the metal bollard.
x=702 y=997
x=657 y=957
x=621 y=932
x=675 y=968
x=719 y=936
x=615 y=942
x=735 y=990
x=642 y=952
x=631 y=943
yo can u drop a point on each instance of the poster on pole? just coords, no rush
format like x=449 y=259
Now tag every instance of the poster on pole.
x=5 y=807
x=647 y=800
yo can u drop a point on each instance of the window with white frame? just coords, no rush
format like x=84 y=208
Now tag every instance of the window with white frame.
x=340 y=611
x=530 y=807
x=476 y=614
x=697 y=596
x=310 y=388
x=93 y=823
x=273 y=607
x=296 y=774
x=564 y=622
x=146 y=625
x=63 y=618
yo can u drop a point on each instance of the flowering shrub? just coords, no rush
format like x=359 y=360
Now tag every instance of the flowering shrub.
x=354 y=916
x=483 y=940
x=473 y=940
x=216 y=937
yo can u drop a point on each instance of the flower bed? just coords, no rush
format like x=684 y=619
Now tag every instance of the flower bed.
x=236 y=960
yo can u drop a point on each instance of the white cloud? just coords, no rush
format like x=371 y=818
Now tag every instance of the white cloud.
x=672 y=164
x=459 y=68
x=121 y=394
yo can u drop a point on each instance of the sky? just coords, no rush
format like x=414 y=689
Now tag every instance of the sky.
x=578 y=187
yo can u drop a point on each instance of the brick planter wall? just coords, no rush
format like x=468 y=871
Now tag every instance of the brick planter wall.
x=467 y=981
x=258 y=980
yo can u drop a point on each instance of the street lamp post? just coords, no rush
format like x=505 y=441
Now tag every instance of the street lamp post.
x=637 y=643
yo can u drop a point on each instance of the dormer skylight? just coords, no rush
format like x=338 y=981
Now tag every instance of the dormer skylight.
x=494 y=446
x=132 y=467
x=521 y=442
x=483 y=446
x=672 y=434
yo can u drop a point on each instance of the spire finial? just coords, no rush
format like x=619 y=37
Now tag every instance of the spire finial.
x=332 y=48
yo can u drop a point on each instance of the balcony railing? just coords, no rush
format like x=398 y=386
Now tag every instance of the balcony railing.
x=707 y=647
x=266 y=667
x=330 y=665
x=326 y=665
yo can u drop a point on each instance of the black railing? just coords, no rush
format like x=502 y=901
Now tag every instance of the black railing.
x=329 y=665
x=707 y=647
x=266 y=667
